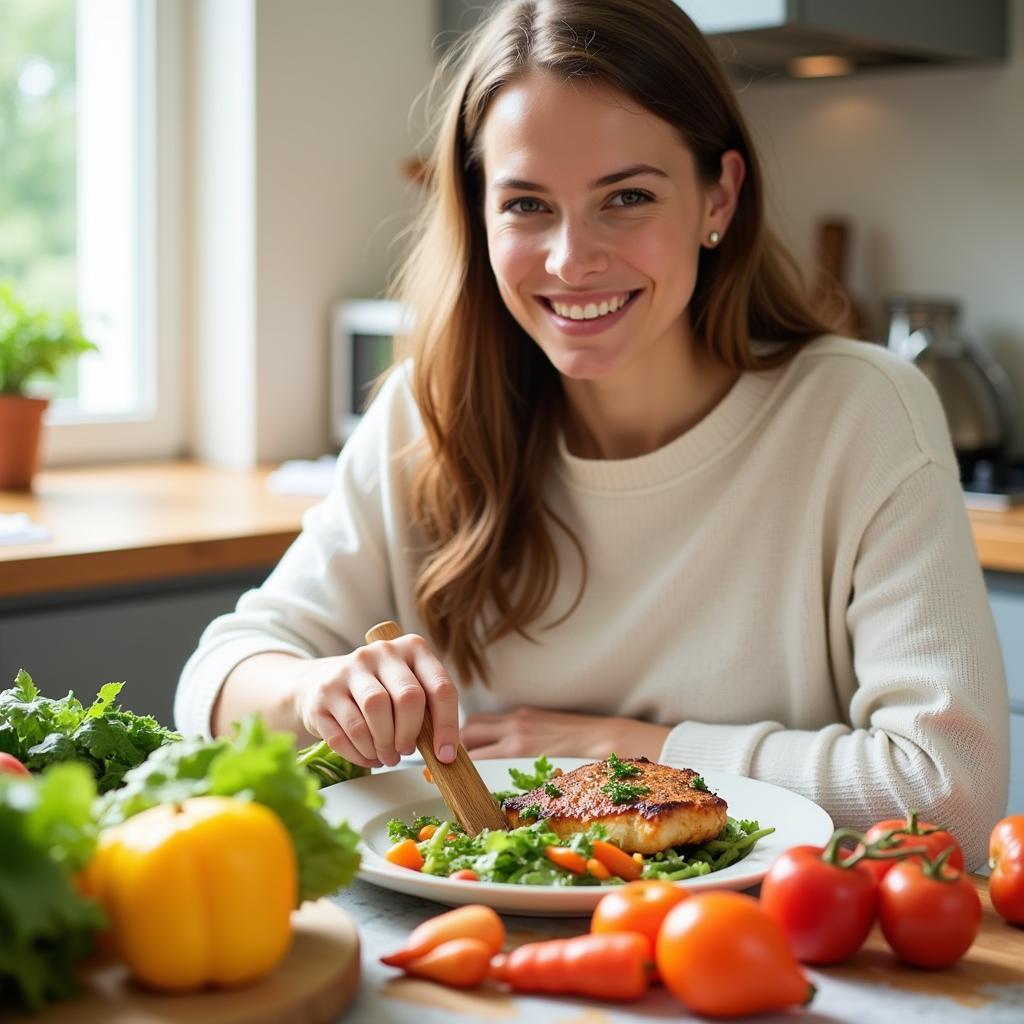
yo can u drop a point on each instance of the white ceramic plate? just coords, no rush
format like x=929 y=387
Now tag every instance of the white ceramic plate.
x=369 y=802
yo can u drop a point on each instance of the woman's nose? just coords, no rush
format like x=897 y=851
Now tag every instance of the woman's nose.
x=574 y=253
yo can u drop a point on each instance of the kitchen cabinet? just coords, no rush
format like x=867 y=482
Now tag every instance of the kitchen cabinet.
x=142 y=558
x=141 y=635
x=1006 y=596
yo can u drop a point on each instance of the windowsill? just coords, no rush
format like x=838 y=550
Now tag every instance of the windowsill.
x=146 y=522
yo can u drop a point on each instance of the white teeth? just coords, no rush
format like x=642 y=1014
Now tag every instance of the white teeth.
x=591 y=311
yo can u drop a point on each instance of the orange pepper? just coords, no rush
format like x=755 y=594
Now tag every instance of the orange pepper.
x=597 y=869
x=617 y=861
x=563 y=857
x=405 y=854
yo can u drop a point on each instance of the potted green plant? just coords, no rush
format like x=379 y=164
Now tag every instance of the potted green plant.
x=34 y=345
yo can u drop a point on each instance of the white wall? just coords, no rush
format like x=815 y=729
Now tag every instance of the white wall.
x=928 y=165
x=335 y=83
x=296 y=198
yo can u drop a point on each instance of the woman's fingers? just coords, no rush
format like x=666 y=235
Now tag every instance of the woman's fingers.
x=329 y=730
x=479 y=733
x=370 y=706
x=442 y=700
x=372 y=698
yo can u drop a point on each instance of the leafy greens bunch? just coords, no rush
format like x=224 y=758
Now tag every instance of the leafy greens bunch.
x=256 y=764
x=47 y=834
x=39 y=731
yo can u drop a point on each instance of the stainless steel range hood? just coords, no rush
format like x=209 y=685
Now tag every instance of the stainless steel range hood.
x=766 y=37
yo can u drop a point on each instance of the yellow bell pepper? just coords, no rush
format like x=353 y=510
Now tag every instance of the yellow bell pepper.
x=198 y=893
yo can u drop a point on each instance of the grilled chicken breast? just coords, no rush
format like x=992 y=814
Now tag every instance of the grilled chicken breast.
x=672 y=813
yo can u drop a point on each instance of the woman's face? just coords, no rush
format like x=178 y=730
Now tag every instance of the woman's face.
x=594 y=218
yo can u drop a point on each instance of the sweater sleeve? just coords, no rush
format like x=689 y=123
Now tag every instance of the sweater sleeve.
x=926 y=727
x=333 y=581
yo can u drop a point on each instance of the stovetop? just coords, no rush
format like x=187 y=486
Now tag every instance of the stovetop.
x=989 y=485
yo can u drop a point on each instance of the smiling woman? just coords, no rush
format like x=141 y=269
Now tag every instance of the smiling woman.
x=627 y=489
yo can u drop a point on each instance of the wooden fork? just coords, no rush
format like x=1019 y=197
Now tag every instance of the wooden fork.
x=459 y=783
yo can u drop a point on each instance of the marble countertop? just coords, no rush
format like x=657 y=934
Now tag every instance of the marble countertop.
x=987 y=987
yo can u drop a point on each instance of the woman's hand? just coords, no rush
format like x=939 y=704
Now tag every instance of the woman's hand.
x=368 y=705
x=531 y=732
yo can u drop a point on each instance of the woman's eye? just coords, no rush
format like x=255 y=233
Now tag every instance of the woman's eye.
x=525 y=205
x=631 y=197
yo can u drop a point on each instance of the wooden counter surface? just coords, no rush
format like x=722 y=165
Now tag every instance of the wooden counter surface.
x=130 y=524
x=148 y=522
x=999 y=537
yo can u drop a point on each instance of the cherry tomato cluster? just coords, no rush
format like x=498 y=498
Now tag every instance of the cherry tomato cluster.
x=907 y=875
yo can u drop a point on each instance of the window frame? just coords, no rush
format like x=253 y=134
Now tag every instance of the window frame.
x=158 y=429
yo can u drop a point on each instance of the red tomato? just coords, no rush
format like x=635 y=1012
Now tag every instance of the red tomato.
x=825 y=909
x=724 y=957
x=1006 y=859
x=639 y=907
x=930 y=914
x=465 y=875
x=10 y=765
x=911 y=832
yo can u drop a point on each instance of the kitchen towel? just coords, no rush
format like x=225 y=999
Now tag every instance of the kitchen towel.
x=19 y=529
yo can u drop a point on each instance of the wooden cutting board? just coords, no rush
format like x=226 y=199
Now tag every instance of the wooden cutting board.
x=313 y=985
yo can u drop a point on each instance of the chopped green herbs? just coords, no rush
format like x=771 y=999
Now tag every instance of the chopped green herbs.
x=551 y=789
x=543 y=770
x=619 y=769
x=697 y=782
x=530 y=813
x=624 y=792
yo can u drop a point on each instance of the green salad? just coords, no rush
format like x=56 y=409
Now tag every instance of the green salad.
x=518 y=857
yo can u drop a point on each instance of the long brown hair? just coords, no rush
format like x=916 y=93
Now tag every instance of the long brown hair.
x=490 y=400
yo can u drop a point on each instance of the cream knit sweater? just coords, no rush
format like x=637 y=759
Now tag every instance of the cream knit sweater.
x=791 y=584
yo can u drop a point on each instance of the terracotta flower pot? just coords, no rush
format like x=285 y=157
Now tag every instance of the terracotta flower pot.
x=21 y=421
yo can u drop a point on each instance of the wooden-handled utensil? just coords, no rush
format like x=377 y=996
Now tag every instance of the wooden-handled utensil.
x=459 y=783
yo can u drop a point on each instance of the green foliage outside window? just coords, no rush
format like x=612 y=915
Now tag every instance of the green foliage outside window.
x=38 y=154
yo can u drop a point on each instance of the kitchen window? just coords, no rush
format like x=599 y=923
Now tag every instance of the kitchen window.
x=88 y=103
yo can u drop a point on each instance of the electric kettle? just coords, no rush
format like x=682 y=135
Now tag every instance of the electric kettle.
x=974 y=389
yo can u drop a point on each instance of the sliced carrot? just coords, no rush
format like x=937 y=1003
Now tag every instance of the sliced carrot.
x=427 y=775
x=617 y=861
x=465 y=875
x=563 y=857
x=597 y=869
x=426 y=832
x=405 y=854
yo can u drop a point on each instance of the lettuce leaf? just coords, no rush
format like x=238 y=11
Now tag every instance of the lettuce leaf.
x=47 y=832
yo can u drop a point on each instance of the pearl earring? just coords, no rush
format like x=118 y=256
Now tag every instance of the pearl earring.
x=714 y=238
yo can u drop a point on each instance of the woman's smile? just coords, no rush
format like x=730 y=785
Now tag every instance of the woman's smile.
x=589 y=313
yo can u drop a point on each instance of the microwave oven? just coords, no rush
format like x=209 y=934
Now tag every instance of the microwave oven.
x=362 y=339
